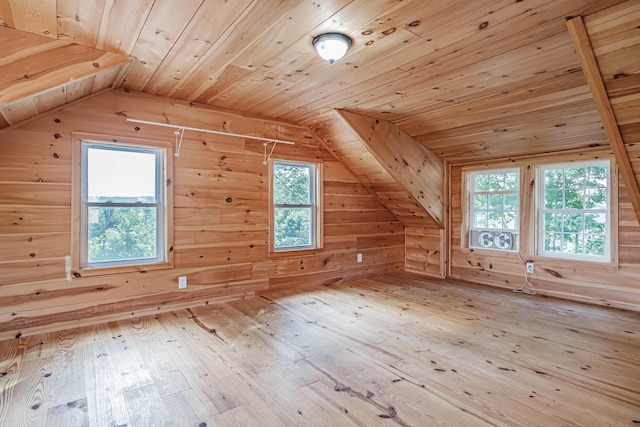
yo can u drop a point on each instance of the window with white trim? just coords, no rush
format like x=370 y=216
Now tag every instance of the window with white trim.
x=494 y=204
x=574 y=215
x=295 y=205
x=122 y=205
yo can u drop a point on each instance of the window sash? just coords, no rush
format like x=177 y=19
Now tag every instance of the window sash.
x=85 y=205
x=583 y=234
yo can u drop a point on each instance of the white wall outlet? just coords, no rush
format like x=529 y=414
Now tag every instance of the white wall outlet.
x=359 y=257
x=529 y=267
x=182 y=282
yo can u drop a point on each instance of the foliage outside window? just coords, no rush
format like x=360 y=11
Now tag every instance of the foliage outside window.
x=122 y=205
x=294 y=205
x=574 y=210
x=494 y=209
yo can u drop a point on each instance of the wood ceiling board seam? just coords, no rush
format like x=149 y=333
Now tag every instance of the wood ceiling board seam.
x=164 y=25
x=204 y=30
x=589 y=62
x=79 y=21
x=129 y=19
x=231 y=44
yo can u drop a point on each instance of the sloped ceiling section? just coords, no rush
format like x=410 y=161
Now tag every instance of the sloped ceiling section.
x=352 y=151
x=38 y=73
x=413 y=166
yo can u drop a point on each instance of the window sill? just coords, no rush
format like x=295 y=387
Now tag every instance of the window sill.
x=137 y=268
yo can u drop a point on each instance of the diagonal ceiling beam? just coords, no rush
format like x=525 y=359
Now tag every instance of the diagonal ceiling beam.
x=411 y=164
x=581 y=41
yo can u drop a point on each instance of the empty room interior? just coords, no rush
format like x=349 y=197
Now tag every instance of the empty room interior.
x=319 y=213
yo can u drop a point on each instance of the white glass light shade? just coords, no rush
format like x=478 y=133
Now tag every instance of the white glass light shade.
x=331 y=46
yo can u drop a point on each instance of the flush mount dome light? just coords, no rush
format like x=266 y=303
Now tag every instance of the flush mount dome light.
x=331 y=46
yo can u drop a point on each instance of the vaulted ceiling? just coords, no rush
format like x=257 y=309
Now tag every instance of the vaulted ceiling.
x=470 y=80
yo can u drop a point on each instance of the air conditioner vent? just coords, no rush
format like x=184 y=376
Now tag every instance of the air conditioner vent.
x=496 y=240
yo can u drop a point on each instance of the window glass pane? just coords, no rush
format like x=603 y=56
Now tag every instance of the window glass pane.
x=512 y=181
x=572 y=223
x=511 y=201
x=574 y=178
x=482 y=182
x=570 y=243
x=553 y=222
x=496 y=182
x=595 y=198
x=120 y=176
x=594 y=244
x=573 y=199
x=480 y=220
x=121 y=233
x=553 y=178
x=292 y=227
x=495 y=202
x=510 y=220
x=480 y=201
x=292 y=184
x=494 y=220
x=553 y=199
x=553 y=242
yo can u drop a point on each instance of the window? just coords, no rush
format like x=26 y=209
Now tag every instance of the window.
x=574 y=210
x=122 y=205
x=494 y=209
x=295 y=205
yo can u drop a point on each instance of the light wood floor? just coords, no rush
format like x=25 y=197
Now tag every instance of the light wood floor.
x=396 y=351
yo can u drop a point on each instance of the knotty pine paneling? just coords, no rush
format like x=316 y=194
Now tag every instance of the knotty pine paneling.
x=220 y=216
x=605 y=284
x=424 y=251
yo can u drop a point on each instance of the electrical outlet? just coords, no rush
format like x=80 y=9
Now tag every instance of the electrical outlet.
x=359 y=257
x=182 y=282
x=529 y=267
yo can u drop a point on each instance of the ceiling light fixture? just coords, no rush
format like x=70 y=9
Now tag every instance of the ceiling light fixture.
x=331 y=46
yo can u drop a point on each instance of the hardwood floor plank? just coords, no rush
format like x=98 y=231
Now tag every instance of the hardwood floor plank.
x=395 y=350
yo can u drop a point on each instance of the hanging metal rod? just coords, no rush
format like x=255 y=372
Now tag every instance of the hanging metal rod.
x=238 y=135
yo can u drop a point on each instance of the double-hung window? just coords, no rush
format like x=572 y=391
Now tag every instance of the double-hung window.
x=574 y=219
x=494 y=201
x=122 y=205
x=295 y=216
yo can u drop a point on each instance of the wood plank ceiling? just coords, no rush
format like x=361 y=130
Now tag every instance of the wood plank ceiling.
x=468 y=80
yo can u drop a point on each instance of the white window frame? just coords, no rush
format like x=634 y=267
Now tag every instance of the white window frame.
x=315 y=184
x=541 y=210
x=79 y=267
x=471 y=175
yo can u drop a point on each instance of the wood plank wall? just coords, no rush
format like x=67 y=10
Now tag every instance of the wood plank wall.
x=599 y=283
x=220 y=245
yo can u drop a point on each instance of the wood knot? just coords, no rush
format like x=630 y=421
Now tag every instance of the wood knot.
x=414 y=23
x=95 y=65
x=389 y=31
x=484 y=25
x=229 y=200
